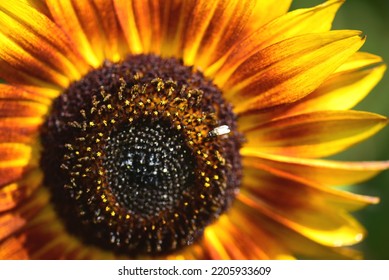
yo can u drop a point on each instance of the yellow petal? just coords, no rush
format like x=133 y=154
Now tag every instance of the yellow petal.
x=17 y=66
x=21 y=109
x=265 y=11
x=282 y=189
x=14 y=154
x=20 y=130
x=326 y=172
x=300 y=245
x=14 y=194
x=289 y=70
x=218 y=25
x=341 y=91
x=316 y=134
x=265 y=245
x=148 y=20
x=359 y=60
x=16 y=160
x=10 y=223
x=12 y=93
x=94 y=28
x=325 y=226
x=298 y=22
x=24 y=28
x=13 y=249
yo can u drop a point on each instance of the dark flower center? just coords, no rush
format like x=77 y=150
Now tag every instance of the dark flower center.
x=140 y=156
x=148 y=167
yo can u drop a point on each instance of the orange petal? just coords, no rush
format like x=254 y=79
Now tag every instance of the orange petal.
x=214 y=246
x=326 y=172
x=24 y=28
x=16 y=159
x=341 y=91
x=10 y=223
x=265 y=11
x=321 y=224
x=289 y=70
x=10 y=92
x=265 y=244
x=298 y=22
x=294 y=241
x=13 y=249
x=218 y=25
x=18 y=66
x=143 y=23
x=14 y=194
x=316 y=134
x=21 y=130
x=21 y=109
x=285 y=190
x=233 y=241
x=94 y=28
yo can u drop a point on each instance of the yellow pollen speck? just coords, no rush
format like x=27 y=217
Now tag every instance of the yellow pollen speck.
x=109 y=106
x=91 y=124
x=206 y=179
x=105 y=122
x=202 y=196
x=97 y=140
x=107 y=208
x=156 y=113
x=178 y=127
x=176 y=215
x=216 y=177
x=89 y=149
x=113 y=213
x=77 y=152
x=113 y=121
x=127 y=102
x=128 y=216
x=98 y=154
x=207 y=185
x=202 y=173
x=130 y=119
x=100 y=134
x=186 y=203
x=153 y=227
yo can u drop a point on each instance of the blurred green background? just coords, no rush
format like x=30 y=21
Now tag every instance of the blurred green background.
x=371 y=17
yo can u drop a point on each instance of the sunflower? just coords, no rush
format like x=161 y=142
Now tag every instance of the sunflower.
x=180 y=130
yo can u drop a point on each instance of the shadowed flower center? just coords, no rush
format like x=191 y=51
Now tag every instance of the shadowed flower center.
x=140 y=156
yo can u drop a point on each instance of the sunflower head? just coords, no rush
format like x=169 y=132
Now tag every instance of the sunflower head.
x=180 y=129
